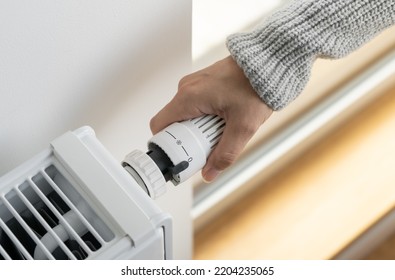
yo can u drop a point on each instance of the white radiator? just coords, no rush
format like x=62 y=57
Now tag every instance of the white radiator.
x=74 y=201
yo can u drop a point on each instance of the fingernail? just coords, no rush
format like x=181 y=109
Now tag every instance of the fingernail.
x=210 y=175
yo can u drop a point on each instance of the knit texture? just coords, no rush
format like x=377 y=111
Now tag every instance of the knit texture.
x=277 y=57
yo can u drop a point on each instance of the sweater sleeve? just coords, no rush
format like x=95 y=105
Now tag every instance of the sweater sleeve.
x=277 y=56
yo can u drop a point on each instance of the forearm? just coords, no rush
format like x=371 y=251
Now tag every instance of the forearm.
x=277 y=57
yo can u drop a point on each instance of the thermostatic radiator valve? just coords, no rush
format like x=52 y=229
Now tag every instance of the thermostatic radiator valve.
x=175 y=153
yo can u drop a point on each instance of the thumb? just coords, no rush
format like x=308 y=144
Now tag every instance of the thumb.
x=233 y=140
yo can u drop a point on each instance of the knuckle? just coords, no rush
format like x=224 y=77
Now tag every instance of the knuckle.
x=184 y=81
x=188 y=93
x=187 y=88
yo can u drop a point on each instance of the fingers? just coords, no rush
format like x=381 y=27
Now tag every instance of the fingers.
x=170 y=113
x=188 y=103
x=175 y=111
x=198 y=94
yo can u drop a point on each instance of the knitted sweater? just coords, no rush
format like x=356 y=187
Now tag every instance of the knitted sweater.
x=277 y=57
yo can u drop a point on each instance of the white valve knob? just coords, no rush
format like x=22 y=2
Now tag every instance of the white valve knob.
x=175 y=153
x=190 y=142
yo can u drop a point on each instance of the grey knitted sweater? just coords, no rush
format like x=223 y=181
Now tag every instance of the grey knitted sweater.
x=278 y=55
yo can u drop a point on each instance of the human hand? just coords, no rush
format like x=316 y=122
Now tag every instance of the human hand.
x=220 y=89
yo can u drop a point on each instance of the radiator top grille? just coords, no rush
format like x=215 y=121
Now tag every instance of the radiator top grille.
x=45 y=217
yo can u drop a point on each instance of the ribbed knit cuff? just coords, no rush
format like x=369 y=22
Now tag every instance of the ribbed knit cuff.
x=277 y=57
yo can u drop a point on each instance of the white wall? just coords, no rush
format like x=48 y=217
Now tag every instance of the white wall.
x=110 y=64
x=214 y=21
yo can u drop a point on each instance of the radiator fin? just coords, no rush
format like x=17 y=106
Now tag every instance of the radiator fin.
x=45 y=217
